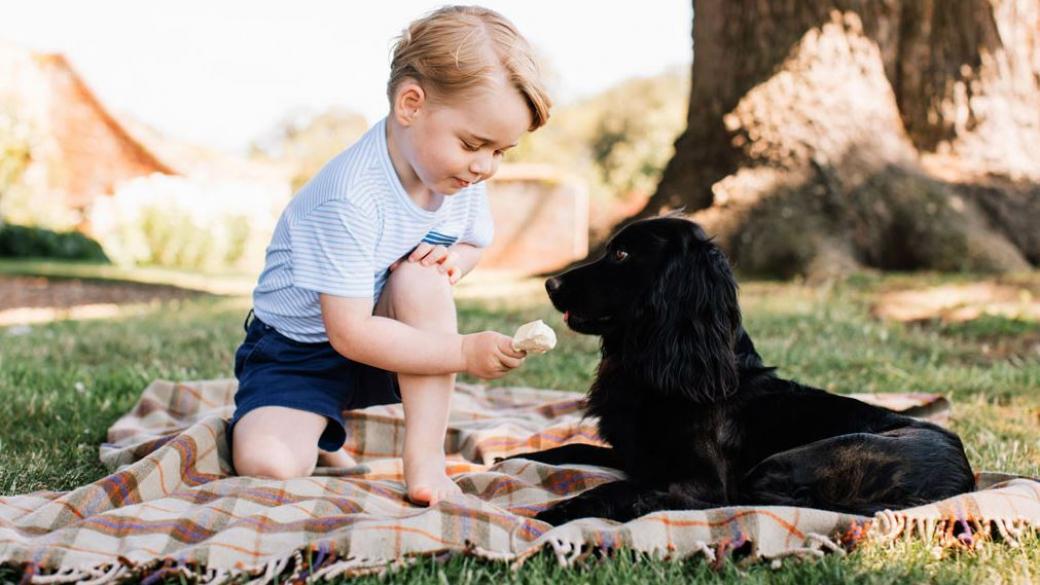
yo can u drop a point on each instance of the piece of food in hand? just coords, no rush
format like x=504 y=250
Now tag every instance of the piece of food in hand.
x=534 y=337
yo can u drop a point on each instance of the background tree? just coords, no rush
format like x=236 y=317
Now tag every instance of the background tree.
x=618 y=141
x=15 y=155
x=825 y=135
x=307 y=140
x=24 y=197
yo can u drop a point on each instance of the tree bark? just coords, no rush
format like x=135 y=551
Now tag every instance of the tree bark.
x=824 y=135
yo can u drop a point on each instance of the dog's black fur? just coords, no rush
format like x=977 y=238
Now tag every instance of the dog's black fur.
x=696 y=421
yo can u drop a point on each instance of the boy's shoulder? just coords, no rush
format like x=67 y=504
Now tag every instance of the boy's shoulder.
x=355 y=177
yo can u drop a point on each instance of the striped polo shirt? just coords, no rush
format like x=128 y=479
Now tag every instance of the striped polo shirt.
x=345 y=227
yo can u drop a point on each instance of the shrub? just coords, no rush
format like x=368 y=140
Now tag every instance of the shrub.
x=187 y=223
x=18 y=241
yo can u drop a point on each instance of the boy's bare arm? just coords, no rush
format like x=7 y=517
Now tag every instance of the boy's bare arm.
x=386 y=343
x=391 y=345
x=468 y=255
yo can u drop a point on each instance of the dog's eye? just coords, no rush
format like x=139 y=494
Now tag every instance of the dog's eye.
x=620 y=255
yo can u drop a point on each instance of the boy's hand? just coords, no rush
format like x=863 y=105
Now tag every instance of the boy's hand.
x=490 y=355
x=430 y=255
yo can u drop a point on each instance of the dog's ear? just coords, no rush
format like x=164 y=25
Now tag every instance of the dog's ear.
x=681 y=340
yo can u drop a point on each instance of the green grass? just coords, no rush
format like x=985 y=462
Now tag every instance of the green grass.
x=63 y=384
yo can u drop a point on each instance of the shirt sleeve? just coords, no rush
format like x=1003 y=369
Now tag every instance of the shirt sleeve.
x=480 y=227
x=333 y=249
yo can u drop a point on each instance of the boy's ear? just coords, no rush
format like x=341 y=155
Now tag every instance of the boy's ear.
x=409 y=101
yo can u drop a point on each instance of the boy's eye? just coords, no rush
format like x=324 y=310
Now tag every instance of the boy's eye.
x=469 y=146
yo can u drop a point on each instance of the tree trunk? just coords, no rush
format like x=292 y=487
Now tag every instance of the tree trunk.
x=823 y=136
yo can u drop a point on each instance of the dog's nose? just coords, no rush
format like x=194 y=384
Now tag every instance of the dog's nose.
x=552 y=284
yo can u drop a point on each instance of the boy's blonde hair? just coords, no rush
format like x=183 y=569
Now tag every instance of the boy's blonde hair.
x=458 y=48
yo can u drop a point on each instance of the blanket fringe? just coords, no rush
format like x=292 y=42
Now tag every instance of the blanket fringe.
x=215 y=577
x=99 y=575
x=568 y=549
x=355 y=566
x=816 y=546
x=272 y=569
x=568 y=552
x=703 y=548
x=891 y=525
x=819 y=542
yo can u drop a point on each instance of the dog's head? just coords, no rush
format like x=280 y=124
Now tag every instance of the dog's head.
x=665 y=302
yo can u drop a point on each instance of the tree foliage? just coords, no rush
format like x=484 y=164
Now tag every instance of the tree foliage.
x=307 y=140
x=618 y=140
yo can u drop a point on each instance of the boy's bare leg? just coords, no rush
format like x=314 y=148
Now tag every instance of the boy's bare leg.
x=338 y=458
x=421 y=297
x=277 y=442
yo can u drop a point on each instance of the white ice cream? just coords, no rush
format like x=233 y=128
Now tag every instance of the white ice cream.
x=534 y=337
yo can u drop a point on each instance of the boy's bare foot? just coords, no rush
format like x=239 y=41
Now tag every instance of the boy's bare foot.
x=335 y=459
x=426 y=480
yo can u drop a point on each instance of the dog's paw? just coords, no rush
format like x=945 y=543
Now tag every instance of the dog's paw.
x=556 y=515
x=577 y=507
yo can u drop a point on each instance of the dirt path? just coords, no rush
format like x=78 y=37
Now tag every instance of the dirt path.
x=19 y=292
x=34 y=299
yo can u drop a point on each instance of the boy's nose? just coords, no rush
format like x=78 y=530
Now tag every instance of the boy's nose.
x=481 y=166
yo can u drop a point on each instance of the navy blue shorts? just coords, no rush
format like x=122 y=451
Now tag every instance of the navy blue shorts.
x=274 y=370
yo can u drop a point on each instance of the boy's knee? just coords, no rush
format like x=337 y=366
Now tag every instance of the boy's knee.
x=414 y=277
x=417 y=290
x=267 y=457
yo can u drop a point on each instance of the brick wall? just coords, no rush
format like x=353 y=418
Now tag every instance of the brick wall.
x=95 y=153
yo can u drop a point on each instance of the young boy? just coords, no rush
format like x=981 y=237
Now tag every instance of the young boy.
x=354 y=305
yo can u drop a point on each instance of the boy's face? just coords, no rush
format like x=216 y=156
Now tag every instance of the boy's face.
x=453 y=144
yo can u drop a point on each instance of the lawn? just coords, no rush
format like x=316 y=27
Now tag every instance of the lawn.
x=63 y=384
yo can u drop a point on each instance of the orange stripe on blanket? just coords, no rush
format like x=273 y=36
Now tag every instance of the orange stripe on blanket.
x=410 y=530
x=677 y=523
x=197 y=395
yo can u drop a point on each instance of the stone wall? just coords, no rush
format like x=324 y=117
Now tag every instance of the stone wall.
x=541 y=219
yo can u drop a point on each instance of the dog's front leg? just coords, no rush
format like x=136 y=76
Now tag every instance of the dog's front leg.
x=626 y=500
x=577 y=454
x=613 y=500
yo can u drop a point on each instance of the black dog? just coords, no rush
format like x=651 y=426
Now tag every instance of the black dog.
x=696 y=421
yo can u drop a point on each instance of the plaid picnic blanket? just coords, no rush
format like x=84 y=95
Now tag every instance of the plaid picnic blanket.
x=171 y=505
